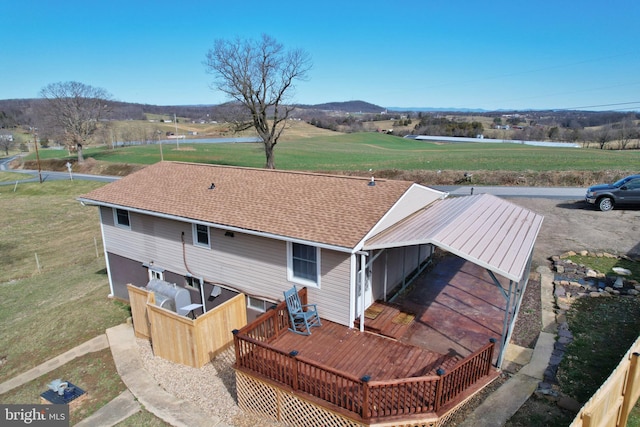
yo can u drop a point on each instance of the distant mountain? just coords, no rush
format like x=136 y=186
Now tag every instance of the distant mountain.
x=347 y=107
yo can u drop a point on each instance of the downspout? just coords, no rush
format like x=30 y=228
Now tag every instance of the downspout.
x=106 y=255
x=204 y=306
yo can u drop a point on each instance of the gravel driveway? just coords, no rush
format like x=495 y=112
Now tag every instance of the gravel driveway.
x=575 y=225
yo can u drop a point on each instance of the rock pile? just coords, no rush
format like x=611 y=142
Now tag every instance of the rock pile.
x=573 y=281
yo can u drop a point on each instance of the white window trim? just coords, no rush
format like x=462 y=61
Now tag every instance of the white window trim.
x=194 y=230
x=262 y=309
x=157 y=271
x=299 y=280
x=115 y=219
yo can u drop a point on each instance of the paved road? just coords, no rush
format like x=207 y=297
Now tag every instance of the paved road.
x=54 y=176
x=564 y=193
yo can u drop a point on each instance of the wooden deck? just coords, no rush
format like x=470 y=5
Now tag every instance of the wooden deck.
x=387 y=319
x=359 y=375
x=363 y=353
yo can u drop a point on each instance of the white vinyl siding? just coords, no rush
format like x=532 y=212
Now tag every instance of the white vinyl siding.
x=399 y=263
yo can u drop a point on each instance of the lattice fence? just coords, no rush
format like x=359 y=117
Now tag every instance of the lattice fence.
x=265 y=400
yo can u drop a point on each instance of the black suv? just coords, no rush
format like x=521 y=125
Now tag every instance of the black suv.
x=623 y=192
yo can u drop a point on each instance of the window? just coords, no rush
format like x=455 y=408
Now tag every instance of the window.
x=256 y=304
x=201 y=235
x=156 y=273
x=304 y=264
x=192 y=282
x=121 y=218
x=634 y=184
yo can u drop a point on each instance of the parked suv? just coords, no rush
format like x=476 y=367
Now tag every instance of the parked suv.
x=623 y=192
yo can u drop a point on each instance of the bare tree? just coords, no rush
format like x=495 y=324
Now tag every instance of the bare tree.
x=603 y=136
x=259 y=76
x=75 y=109
x=6 y=142
x=627 y=131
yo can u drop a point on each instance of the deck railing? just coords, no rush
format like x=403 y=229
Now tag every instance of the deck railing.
x=362 y=397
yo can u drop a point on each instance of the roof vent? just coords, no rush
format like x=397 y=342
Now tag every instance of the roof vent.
x=212 y=186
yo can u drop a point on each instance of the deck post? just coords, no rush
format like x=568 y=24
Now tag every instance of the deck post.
x=439 y=386
x=493 y=349
x=236 y=344
x=294 y=370
x=365 y=397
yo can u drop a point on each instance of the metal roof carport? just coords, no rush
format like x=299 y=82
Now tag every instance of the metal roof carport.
x=483 y=229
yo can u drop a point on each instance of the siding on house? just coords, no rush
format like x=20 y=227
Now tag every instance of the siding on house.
x=399 y=263
x=254 y=265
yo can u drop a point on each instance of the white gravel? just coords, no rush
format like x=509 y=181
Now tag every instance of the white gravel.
x=212 y=387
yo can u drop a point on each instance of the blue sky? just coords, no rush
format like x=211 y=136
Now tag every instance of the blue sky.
x=447 y=54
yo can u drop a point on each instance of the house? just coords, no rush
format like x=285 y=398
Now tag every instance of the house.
x=346 y=241
x=254 y=231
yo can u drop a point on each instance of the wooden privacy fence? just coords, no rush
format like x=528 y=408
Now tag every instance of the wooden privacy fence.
x=191 y=342
x=360 y=397
x=614 y=400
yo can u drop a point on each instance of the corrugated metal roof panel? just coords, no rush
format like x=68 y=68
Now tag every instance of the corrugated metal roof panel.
x=484 y=229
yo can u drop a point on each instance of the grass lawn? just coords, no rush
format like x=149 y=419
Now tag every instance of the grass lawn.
x=94 y=373
x=603 y=330
x=364 y=151
x=59 y=299
x=13 y=176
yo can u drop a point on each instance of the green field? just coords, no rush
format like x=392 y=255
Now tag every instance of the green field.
x=53 y=281
x=364 y=151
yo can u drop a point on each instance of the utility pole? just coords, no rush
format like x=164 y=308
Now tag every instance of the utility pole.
x=175 y=122
x=35 y=141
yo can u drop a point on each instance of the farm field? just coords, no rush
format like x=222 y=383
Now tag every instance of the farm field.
x=362 y=152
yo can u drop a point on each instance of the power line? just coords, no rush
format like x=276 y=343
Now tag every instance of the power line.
x=598 y=106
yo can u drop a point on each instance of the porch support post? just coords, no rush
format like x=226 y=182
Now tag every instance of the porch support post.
x=363 y=278
x=521 y=287
x=513 y=300
x=507 y=312
x=386 y=273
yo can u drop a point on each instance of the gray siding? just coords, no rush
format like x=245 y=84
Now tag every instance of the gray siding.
x=254 y=265
x=400 y=262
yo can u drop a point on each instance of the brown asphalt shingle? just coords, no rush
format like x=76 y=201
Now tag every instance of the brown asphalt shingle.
x=330 y=209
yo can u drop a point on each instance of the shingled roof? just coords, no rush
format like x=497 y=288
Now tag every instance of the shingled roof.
x=329 y=209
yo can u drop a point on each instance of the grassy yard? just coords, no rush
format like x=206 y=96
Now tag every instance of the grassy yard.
x=603 y=330
x=378 y=152
x=53 y=288
x=13 y=176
